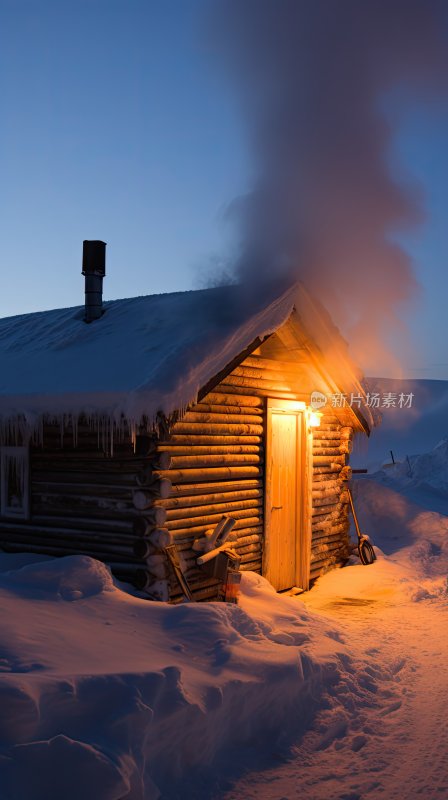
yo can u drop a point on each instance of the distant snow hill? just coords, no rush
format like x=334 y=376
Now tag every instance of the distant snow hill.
x=405 y=431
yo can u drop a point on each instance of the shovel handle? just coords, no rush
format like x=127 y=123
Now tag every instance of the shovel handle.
x=354 y=513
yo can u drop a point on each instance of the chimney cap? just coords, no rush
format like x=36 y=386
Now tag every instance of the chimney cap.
x=93 y=257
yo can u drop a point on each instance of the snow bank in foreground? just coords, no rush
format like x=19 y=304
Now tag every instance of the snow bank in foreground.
x=106 y=696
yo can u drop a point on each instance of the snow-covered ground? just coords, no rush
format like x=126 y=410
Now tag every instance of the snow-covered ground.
x=382 y=730
x=336 y=694
x=105 y=695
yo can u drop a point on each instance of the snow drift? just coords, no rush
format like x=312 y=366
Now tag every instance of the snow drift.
x=106 y=696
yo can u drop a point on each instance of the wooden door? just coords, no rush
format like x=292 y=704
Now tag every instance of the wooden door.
x=286 y=558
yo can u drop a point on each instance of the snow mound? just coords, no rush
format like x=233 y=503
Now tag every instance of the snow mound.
x=97 y=776
x=69 y=578
x=423 y=471
x=411 y=540
x=117 y=697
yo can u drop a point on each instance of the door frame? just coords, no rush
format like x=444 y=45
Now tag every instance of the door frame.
x=303 y=488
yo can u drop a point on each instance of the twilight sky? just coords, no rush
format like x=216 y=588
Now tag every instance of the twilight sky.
x=118 y=124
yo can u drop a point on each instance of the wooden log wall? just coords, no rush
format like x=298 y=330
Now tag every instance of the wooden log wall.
x=124 y=509
x=217 y=461
x=217 y=466
x=82 y=500
x=330 y=542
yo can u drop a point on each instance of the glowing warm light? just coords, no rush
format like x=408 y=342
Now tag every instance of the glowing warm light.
x=314 y=418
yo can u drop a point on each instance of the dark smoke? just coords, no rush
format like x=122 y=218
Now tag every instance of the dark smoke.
x=312 y=77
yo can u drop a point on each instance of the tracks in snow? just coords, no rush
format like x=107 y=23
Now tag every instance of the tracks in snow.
x=382 y=731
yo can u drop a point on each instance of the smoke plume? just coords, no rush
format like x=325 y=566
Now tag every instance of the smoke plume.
x=313 y=77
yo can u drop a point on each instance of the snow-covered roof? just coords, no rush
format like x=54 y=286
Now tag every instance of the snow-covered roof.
x=144 y=354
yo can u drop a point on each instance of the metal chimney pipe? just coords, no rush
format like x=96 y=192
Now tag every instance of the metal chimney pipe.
x=94 y=270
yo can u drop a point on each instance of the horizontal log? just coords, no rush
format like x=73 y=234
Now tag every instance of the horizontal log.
x=189 y=490
x=320 y=435
x=331 y=498
x=251 y=566
x=41 y=488
x=322 y=478
x=224 y=509
x=346 y=432
x=326 y=488
x=73 y=522
x=260 y=383
x=326 y=499
x=94 y=462
x=96 y=549
x=159 y=488
x=221 y=460
x=212 y=474
x=332 y=469
x=222 y=419
x=59 y=477
x=213 y=450
x=280 y=394
x=328 y=460
x=212 y=498
x=213 y=518
x=320 y=569
x=328 y=513
x=60 y=550
x=324 y=537
x=250 y=548
x=328 y=451
x=197 y=530
x=227 y=398
x=289 y=373
x=155 y=515
x=160 y=460
x=228 y=408
x=272 y=364
x=157 y=537
x=321 y=554
x=328 y=427
x=144 y=549
x=245 y=540
x=59 y=497
x=192 y=440
x=337 y=525
x=82 y=517
x=220 y=429
x=250 y=558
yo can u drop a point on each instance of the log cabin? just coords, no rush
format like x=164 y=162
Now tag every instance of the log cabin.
x=132 y=425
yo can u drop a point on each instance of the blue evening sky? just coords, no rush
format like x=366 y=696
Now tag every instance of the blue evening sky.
x=117 y=125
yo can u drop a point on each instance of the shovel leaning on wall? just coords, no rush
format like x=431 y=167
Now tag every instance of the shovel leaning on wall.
x=365 y=549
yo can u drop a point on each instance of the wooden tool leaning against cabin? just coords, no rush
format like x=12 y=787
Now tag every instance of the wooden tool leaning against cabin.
x=220 y=560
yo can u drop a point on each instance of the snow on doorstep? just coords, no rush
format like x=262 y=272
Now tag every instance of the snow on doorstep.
x=145 y=354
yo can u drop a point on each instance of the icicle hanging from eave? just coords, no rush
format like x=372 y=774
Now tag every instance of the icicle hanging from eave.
x=113 y=426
